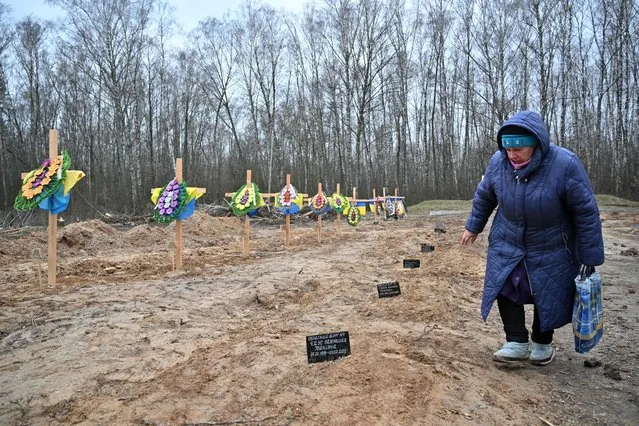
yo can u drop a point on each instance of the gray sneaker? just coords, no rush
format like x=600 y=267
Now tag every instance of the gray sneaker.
x=512 y=351
x=541 y=354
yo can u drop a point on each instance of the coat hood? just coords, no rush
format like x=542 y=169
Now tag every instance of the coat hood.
x=530 y=121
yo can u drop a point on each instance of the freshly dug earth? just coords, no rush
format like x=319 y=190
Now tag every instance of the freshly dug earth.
x=125 y=339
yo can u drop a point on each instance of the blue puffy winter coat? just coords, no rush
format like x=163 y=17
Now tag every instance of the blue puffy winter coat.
x=547 y=216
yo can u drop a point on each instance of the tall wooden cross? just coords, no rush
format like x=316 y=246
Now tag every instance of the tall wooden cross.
x=354 y=198
x=246 y=244
x=375 y=221
x=53 y=218
x=178 y=223
x=287 y=229
x=247 y=219
x=287 y=226
x=319 y=216
x=339 y=215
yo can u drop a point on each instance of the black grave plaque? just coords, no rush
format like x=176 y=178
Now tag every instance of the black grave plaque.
x=388 y=289
x=411 y=263
x=327 y=347
x=427 y=248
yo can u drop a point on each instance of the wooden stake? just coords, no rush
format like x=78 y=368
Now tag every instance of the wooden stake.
x=319 y=217
x=247 y=219
x=339 y=215
x=354 y=197
x=53 y=218
x=374 y=207
x=178 y=222
x=177 y=258
x=287 y=229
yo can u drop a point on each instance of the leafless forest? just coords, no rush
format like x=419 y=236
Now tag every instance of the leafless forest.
x=365 y=93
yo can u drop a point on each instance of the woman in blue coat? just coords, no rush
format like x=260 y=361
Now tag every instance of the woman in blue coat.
x=546 y=226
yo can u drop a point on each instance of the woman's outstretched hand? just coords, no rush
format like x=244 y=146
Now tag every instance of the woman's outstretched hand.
x=468 y=237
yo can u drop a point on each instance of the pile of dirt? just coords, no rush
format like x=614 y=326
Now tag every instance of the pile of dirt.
x=200 y=230
x=147 y=235
x=28 y=243
x=94 y=248
x=92 y=236
x=204 y=230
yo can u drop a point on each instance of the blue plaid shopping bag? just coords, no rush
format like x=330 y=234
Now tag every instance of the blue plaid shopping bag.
x=587 y=312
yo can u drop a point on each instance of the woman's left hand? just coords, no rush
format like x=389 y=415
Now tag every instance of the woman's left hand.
x=468 y=237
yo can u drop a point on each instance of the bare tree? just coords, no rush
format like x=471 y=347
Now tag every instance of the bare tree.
x=112 y=35
x=217 y=49
x=364 y=93
x=6 y=37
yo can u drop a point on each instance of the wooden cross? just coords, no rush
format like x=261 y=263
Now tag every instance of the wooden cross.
x=375 y=221
x=397 y=199
x=339 y=215
x=247 y=219
x=354 y=197
x=287 y=228
x=53 y=218
x=178 y=222
x=319 y=216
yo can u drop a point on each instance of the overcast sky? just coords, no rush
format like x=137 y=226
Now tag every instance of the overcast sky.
x=187 y=12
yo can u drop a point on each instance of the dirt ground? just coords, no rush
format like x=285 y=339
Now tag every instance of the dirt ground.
x=124 y=339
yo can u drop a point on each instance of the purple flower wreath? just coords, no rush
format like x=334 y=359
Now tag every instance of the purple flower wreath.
x=171 y=202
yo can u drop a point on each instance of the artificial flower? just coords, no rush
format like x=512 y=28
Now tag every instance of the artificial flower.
x=319 y=203
x=42 y=182
x=170 y=203
x=289 y=201
x=354 y=217
x=247 y=199
x=390 y=207
x=338 y=202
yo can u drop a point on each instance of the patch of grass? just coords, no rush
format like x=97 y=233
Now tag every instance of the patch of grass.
x=611 y=200
x=432 y=205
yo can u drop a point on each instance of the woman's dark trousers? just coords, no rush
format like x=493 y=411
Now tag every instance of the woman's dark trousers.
x=514 y=319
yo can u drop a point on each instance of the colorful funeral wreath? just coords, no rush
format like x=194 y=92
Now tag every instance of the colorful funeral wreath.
x=319 y=203
x=170 y=203
x=390 y=207
x=43 y=182
x=338 y=202
x=246 y=199
x=354 y=217
x=288 y=200
x=400 y=208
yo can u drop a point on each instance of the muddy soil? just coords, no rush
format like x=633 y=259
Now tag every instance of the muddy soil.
x=125 y=339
